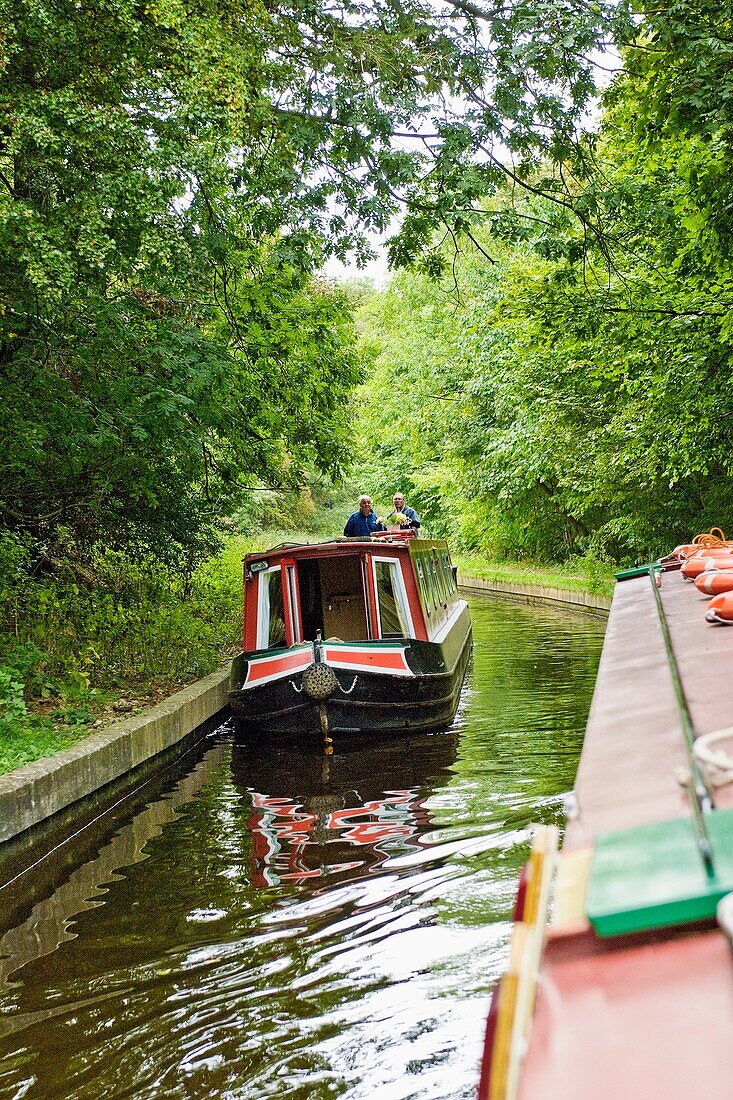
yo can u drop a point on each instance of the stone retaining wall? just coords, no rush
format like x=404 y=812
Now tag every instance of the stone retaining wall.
x=529 y=593
x=37 y=791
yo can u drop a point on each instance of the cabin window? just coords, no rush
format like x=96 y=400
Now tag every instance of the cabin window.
x=394 y=616
x=293 y=604
x=450 y=574
x=437 y=579
x=422 y=582
x=442 y=578
x=271 y=610
x=431 y=581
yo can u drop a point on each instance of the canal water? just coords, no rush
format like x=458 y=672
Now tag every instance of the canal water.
x=260 y=921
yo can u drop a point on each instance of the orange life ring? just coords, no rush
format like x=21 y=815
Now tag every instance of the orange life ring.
x=713 y=565
x=714 y=581
x=720 y=609
x=694 y=566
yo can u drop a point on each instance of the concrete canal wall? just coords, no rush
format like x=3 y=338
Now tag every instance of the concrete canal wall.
x=36 y=792
x=529 y=593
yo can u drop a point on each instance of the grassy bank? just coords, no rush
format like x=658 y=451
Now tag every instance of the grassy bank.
x=76 y=653
x=79 y=652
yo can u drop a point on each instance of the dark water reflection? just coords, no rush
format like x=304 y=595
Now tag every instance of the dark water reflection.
x=269 y=924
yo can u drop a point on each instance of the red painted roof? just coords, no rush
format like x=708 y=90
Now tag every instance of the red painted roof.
x=649 y=1015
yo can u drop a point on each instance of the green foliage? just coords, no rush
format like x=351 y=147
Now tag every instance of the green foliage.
x=163 y=341
x=12 y=701
x=69 y=645
x=171 y=178
x=565 y=401
x=318 y=510
x=550 y=380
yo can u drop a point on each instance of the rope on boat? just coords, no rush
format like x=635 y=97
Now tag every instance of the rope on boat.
x=708 y=540
x=700 y=799
x=717 y=763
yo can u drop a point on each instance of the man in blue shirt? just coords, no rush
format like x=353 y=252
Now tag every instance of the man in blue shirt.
x=361 y=524
x=409 y=513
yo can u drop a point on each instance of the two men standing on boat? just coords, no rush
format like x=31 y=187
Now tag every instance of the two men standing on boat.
x=363 y=523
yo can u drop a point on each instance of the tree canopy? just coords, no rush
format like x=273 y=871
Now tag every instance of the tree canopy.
x=575 y=394
x=173 y=177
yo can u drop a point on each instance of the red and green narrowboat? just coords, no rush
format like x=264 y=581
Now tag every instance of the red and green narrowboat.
x=351 y=636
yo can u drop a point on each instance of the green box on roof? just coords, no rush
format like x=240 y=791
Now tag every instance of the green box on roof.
x=653 y=876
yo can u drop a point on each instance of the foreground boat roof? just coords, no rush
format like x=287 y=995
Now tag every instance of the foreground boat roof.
x=648 y=1013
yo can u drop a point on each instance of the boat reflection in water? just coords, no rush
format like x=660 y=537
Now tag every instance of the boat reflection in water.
x=341 y=815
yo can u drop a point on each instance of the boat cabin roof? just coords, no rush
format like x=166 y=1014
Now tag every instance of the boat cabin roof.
x=343 y=546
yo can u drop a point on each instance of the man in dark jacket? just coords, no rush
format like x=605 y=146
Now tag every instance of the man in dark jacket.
x=411 y=516
x=361 y=524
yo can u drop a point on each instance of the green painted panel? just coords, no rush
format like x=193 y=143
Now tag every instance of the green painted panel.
x=654 y=876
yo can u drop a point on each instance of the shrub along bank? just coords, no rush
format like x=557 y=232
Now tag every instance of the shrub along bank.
x=79 y=648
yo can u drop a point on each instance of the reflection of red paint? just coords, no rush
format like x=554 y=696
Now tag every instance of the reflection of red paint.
x=400 y=799
x=318 y=872
x=370 y=832
x=390 y=813
x=282 y=830
x=280 y=824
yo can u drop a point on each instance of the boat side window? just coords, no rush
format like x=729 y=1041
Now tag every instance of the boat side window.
x=293 y=603
x=394 y=617
x=271 y=610
x=437 y=567
x=443 y=574
x=432 y=581
x=448 y=580
x=421 y=582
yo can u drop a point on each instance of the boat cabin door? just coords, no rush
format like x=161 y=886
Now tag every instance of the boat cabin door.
x=343 y=601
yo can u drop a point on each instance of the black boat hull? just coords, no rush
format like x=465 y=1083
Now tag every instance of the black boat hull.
x=422 y=699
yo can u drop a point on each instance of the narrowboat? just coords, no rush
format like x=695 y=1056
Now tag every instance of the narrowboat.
x=351 y=636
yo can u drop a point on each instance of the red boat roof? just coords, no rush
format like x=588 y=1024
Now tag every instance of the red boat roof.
x=648 y=1013
x=333 y=547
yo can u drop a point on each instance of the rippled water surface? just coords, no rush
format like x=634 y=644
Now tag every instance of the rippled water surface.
x=259 y=922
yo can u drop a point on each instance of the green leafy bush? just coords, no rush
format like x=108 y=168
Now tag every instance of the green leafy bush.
x=73 y=639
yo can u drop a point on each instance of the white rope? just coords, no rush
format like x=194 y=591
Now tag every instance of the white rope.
x=717 y=762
